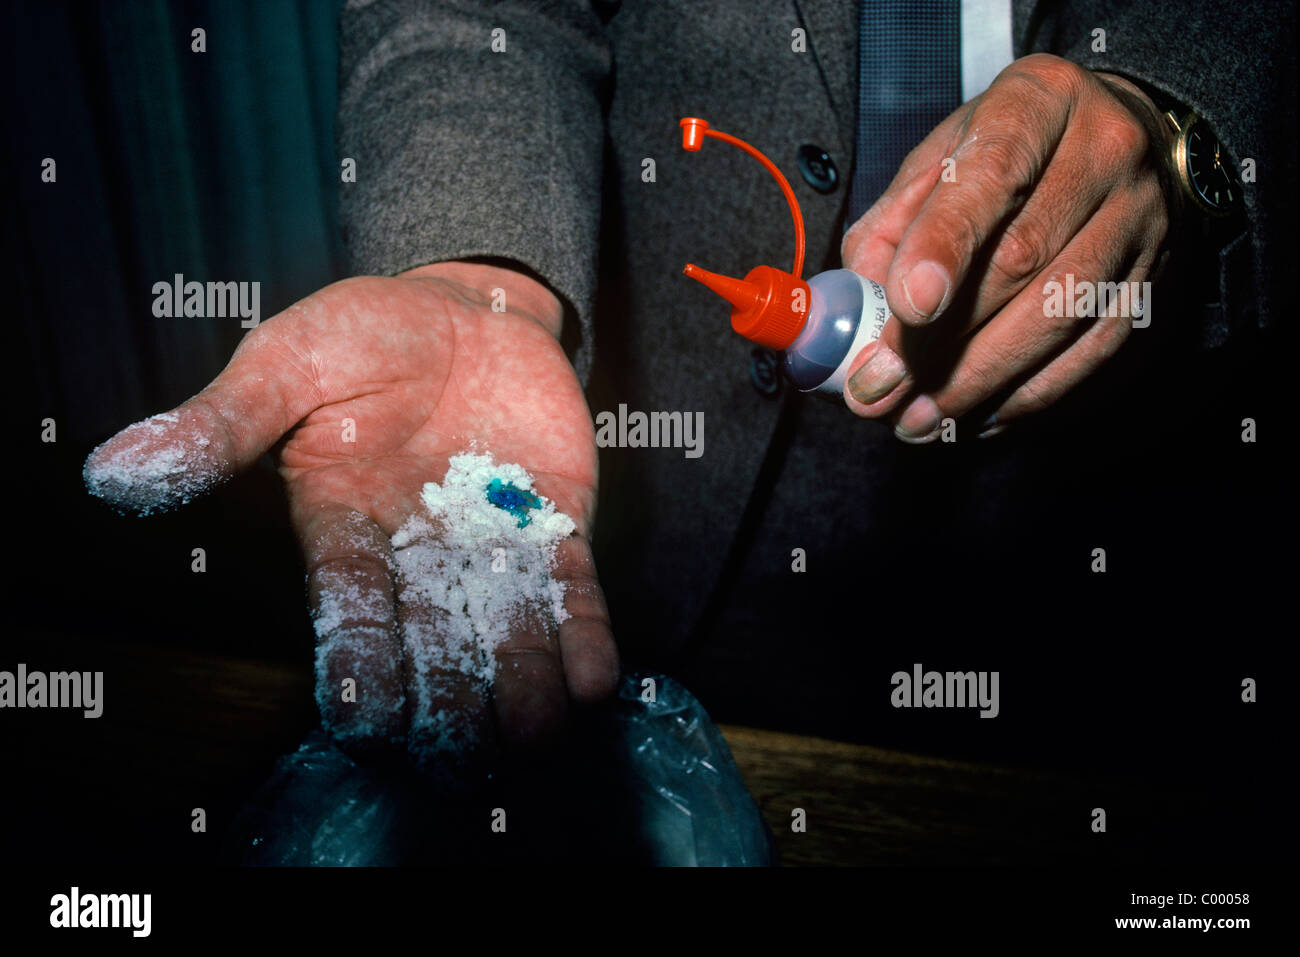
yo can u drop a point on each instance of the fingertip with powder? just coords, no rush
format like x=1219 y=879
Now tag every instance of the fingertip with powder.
x=154 y=465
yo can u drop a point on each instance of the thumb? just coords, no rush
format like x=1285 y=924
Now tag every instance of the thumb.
x=168 y=459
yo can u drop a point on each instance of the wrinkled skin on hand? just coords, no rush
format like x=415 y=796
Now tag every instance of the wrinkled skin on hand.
x=1054 y=170
x=422 y=366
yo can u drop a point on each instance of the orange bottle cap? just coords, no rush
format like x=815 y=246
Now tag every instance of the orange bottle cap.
x=769 y=306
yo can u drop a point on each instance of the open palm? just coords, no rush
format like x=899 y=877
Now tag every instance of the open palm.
x=364 y=391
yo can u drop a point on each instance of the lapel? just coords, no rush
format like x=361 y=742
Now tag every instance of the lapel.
x=832 y=27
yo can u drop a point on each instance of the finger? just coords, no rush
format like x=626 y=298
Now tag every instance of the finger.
x=1092 y=349
x=868 y=246
x=1026 y=333
x=587 y=649
x=446 y=672
x=879 y=376
x=165 y=461
x=1103 y=154
x=1013 y=131
x=1065 y=199
x=359 y=680
x=529 y=691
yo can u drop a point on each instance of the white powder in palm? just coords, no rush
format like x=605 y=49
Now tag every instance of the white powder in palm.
x=469 y=574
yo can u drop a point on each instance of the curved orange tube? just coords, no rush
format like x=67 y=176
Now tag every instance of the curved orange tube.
x=695 y=129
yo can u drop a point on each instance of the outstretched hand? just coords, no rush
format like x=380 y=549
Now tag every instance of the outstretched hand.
x=363 y=391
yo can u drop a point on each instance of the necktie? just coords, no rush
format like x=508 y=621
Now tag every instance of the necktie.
x=909 y=79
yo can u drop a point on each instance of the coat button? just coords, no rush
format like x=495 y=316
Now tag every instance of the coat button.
x=763 y=371
x=818 y=168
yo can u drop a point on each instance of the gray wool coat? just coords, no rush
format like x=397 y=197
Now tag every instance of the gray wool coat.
x=535 y=154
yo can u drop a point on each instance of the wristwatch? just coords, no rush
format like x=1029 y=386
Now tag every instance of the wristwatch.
x=1201 y=166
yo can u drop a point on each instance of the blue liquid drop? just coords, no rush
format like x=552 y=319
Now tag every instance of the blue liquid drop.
x=510 y=498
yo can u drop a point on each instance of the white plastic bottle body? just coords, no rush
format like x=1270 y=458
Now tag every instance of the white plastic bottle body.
x=846 y=314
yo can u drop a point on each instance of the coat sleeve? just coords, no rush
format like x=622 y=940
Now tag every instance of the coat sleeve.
x=1233 y=64
x=477 y=130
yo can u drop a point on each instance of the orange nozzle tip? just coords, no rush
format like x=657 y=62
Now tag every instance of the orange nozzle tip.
x=741 y=293
x=693 y=133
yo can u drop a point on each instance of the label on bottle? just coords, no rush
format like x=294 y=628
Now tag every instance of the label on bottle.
x=875 y=312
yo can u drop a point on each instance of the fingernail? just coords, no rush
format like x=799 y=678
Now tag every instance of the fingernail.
x=919 y=421
x=925 y=287
x=878 y=376
x=991 y=427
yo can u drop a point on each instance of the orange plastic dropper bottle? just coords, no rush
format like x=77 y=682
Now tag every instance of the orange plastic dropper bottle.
x=818 y=325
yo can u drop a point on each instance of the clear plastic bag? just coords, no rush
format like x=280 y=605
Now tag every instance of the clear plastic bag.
x=650 y=781
x=321 y=808
x=695 y=809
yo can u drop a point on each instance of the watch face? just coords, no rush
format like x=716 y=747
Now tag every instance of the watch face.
x=1207 y=168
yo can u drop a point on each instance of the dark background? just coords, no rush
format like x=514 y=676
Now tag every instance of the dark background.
x=221 y=166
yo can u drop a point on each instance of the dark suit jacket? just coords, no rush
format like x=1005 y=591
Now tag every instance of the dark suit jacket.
x=535 y=155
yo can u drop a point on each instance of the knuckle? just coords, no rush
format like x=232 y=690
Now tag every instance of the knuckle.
x=584 y=598
x=1122 y=138
x=1008 y=162
x=1020 y=252
x=1050 y=74
x=339 y=569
